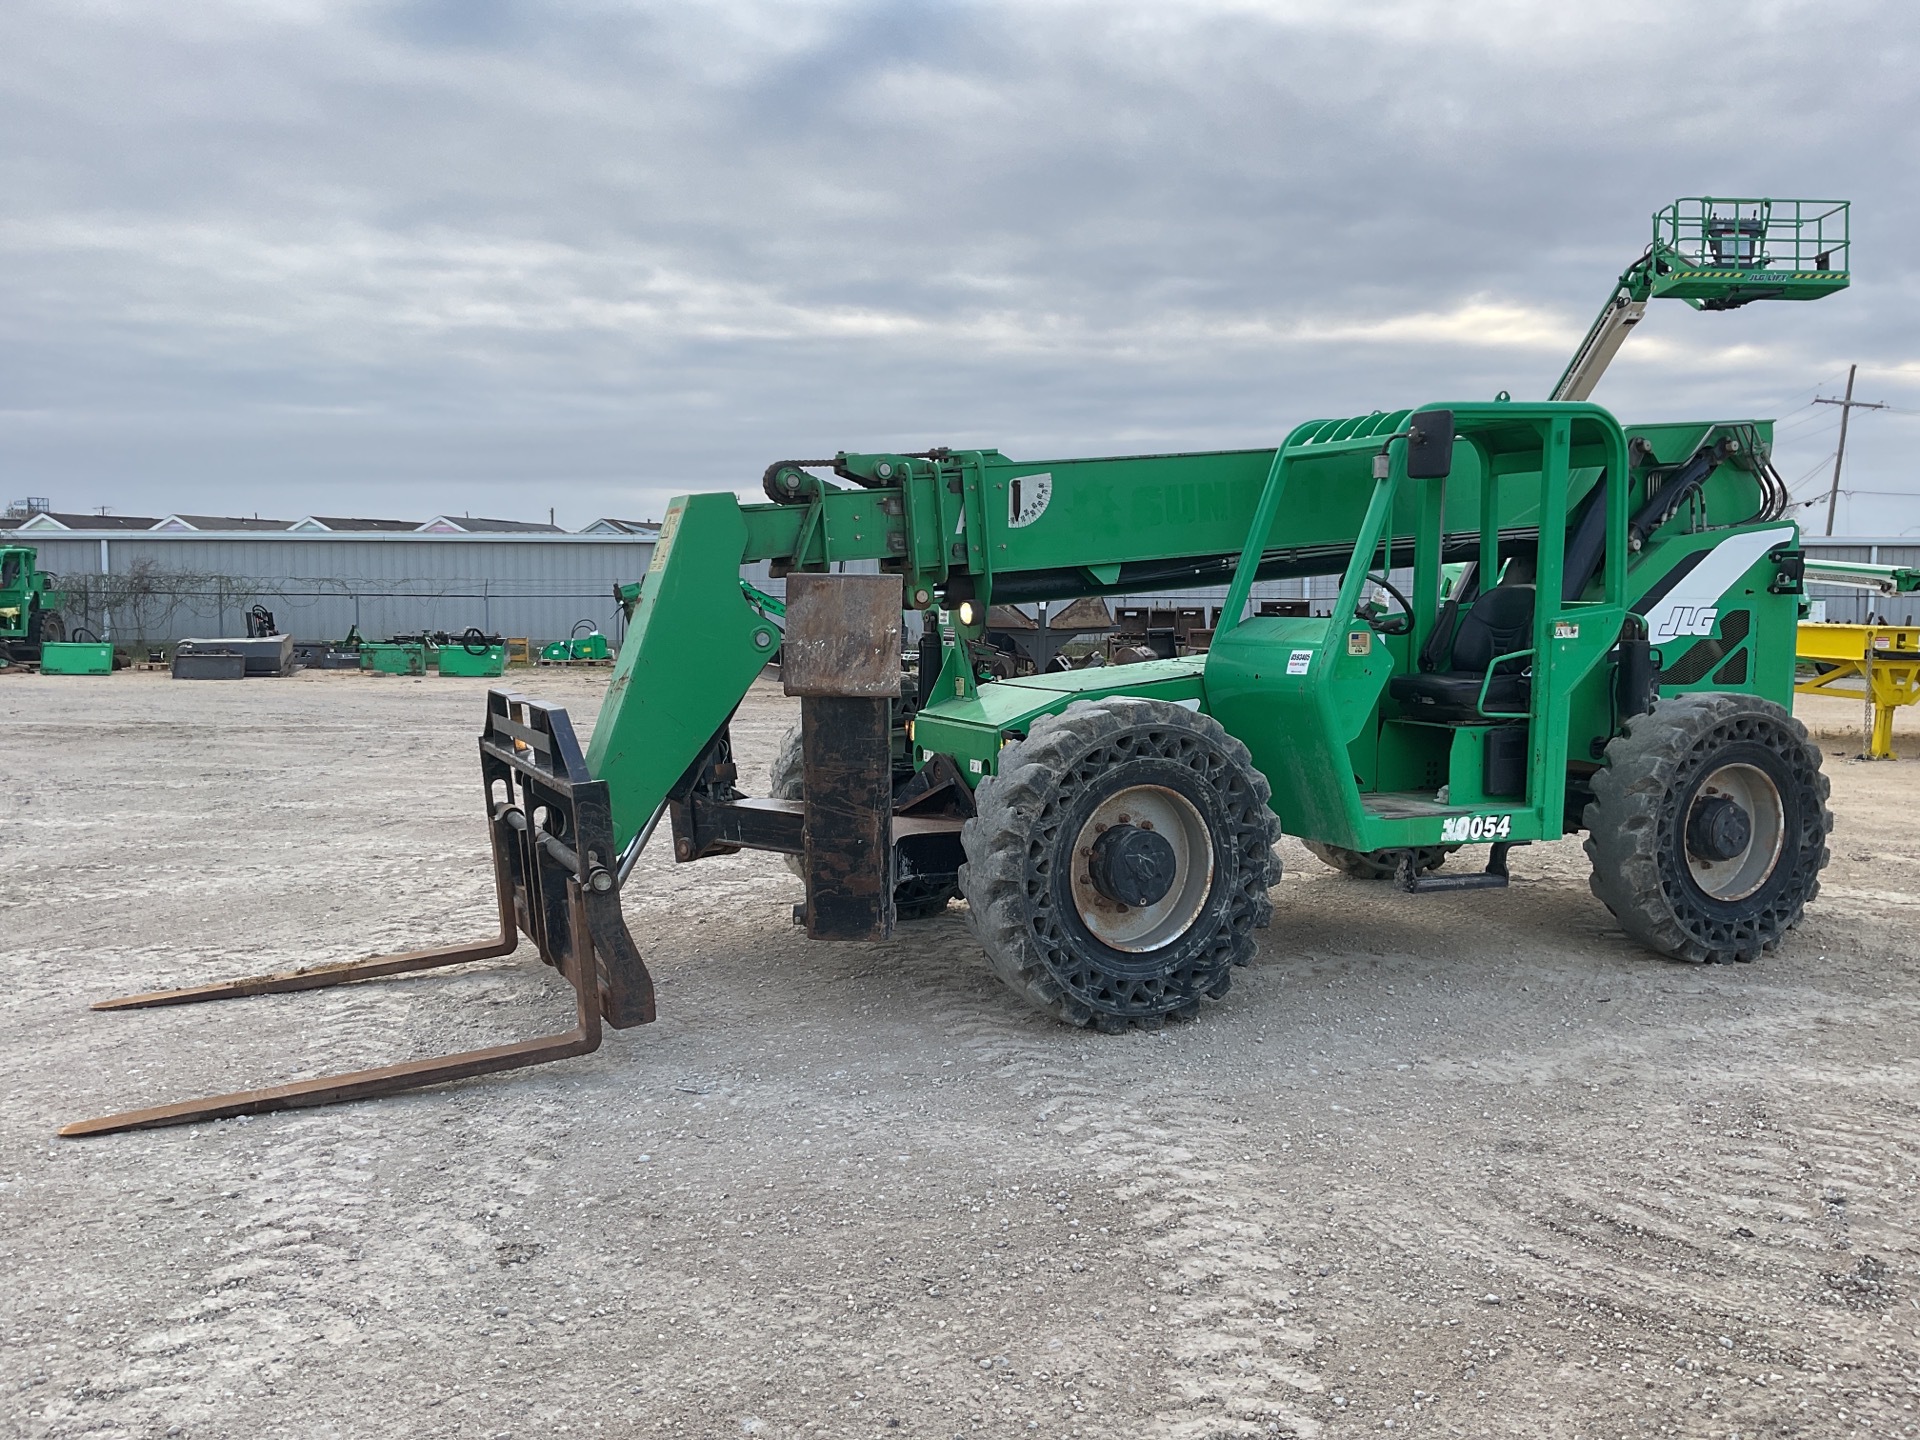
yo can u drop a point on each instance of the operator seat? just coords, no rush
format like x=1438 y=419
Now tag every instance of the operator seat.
x=1499 y=623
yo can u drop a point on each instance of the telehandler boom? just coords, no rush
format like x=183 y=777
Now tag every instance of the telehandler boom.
x=1546 y=623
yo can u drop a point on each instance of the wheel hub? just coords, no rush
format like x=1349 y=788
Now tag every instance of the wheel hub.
x=1142 y=868
x=1718 y=829
x=1735 y=831
x=1131 y=866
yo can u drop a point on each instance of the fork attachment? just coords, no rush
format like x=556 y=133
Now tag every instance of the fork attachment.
x=556 y=876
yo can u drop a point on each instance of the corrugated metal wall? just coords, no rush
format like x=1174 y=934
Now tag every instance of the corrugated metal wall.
x=163 y=587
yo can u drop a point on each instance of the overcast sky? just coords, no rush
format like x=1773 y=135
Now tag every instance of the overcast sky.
x=472 y=255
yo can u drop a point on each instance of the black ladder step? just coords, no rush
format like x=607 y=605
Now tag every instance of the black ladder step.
x=1494 y=877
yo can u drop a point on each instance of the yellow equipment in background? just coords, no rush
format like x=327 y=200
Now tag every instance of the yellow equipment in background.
x=1878 y=664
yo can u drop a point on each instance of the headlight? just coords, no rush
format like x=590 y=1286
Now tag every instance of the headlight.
x=966 y=613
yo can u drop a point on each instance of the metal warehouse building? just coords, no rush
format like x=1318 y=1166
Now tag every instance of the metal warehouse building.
x=154 y=587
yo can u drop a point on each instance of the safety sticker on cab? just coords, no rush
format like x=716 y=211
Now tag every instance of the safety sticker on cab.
x=1463 y=829
x=1298 y=662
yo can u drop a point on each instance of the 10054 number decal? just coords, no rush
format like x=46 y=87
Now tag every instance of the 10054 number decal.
x=1459 y=829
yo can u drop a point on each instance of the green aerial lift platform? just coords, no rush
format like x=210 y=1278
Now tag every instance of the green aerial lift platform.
x=1718 y=254
x=1548 y=623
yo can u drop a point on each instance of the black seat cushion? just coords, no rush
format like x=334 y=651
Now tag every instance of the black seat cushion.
x=1457 y=692
x=1500 y=622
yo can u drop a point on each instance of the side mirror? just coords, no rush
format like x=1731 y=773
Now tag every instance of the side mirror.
x=1430 y=445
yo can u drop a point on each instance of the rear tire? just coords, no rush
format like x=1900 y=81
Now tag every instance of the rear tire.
x=1377 y=864
x=918 y=897
x=1708 y=827
x=1170 y=811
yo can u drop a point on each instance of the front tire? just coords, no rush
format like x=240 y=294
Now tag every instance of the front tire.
x=1120 y=862
x=1708 y=827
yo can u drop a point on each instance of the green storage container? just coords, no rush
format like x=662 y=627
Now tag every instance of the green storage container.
x=457 y=659
x=384 y=659
x=76 y=657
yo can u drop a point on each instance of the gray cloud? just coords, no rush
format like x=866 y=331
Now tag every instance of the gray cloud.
x=498 y=256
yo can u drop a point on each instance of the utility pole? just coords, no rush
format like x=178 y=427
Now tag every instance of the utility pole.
x=1847 y=407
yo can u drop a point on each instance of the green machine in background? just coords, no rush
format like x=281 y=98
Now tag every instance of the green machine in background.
x=76 y=657
x=398 y=656
x=586 y=643
x=1548 y=623
x=472 y=659
x=473 y=653
x=29 y=606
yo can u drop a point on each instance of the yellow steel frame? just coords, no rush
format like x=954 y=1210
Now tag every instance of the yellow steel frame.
x=1877 y=664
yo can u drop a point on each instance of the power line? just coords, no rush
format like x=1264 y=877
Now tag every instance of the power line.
x=1821 y=417
x=1815 y=389
x=1810 y=472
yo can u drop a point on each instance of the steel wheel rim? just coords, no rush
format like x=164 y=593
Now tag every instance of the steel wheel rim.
x=1172 y=815
x=1739 y=876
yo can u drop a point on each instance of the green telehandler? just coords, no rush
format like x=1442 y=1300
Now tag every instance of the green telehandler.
x=1547 y=623
x=29 y=606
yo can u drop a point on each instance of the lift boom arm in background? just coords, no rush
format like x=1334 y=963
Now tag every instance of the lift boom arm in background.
x=1717 y=254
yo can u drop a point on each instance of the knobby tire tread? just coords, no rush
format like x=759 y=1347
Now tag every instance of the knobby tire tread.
x=1633 y=838
x=1006 y=876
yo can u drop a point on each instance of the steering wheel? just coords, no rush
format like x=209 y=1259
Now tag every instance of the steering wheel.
x=1392 y=623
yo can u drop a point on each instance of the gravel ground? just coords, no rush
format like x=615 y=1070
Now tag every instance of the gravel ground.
x=1440 y=1165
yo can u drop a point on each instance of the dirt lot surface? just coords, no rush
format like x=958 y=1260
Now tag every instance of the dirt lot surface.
x=1440 y=1165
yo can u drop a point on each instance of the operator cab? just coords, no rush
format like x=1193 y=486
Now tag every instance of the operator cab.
x=1488 y=649
x=1484 y=651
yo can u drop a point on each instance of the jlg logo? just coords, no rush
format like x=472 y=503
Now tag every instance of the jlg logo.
x=1686 y=620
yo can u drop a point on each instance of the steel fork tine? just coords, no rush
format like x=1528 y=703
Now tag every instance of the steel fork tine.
x=317 y=977
x=366 y=1084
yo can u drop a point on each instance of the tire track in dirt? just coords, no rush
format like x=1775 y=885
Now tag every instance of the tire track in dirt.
x=1241 y=1362
x=300 y=1251
x=306 y=1262
x=1692 y=1267
x=257 y=1295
